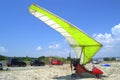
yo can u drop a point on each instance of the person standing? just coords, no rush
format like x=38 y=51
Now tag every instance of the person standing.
x=50 y=61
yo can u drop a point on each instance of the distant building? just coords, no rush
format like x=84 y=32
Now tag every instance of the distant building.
x=117 y=59
x=97 y=60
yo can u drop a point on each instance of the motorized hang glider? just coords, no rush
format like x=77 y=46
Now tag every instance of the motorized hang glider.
x=83 y=45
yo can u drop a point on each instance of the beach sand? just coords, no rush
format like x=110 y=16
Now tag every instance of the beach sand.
x=62 y=72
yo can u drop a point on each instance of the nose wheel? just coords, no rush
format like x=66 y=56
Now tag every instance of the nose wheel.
x=73 y=75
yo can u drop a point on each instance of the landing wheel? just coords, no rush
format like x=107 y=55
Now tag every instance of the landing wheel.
x=97 y=76
x=73 y=75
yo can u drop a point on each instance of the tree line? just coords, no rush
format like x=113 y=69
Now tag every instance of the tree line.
x=46 y=58
x=41 y=58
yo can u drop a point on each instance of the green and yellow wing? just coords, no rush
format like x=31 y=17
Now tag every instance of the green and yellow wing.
x=84 y=46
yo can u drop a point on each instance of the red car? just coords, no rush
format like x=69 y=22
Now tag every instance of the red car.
x=57 y=62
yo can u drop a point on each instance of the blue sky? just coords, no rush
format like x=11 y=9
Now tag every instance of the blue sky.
x=21 y=34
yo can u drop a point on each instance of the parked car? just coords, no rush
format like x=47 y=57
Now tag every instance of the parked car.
x=57 y=62
x=1 y=66
x=37 y=63
x=15 y=62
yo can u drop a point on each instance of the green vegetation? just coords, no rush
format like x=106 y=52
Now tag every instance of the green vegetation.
x=2 y=57
x=46 y=58
x=28 y=59
x=109 y=59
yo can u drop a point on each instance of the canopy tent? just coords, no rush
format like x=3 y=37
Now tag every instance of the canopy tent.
x=83 y=45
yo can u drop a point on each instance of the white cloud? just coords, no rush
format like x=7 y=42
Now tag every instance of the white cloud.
x=3 y=49
x=111 y=42
x=61 y=49
x=105 y=39
x=39 y=48
x=116 y=30
x=55 y=46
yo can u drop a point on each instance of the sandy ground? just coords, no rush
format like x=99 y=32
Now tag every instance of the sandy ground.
x=61 y=73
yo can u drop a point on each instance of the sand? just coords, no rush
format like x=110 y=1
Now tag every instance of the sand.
x=61 y=73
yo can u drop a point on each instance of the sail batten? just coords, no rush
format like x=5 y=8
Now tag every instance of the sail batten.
x=76 y=38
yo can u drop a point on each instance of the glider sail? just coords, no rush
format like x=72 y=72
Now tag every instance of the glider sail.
x=84 y=46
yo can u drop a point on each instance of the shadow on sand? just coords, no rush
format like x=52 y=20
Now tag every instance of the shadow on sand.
x=82 y=76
